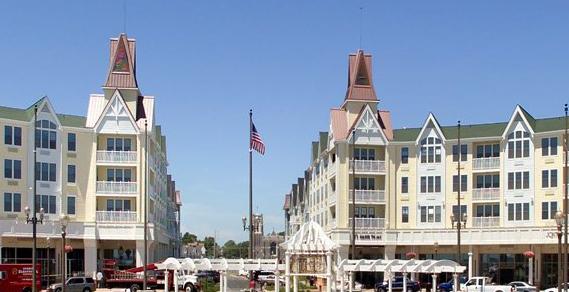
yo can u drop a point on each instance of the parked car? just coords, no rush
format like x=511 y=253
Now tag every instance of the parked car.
x=75 y=284
x=554 y=289
x=448 y=286
x=523 y=286
x=397 y=284
x=208 y=275
x=357 y=286
x=267 y=277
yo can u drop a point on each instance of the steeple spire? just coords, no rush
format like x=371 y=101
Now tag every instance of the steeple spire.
x=360 y=84
x=122 y=68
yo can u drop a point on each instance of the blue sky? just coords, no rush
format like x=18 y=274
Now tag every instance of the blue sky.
x=208 y=62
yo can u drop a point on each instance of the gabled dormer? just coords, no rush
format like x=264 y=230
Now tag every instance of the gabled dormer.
x=122 y=68
x=116 y=118
x=368 y=129
x=360 y=89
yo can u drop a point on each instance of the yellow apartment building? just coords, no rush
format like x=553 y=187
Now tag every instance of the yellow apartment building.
x=93 y=169
x=406 y=186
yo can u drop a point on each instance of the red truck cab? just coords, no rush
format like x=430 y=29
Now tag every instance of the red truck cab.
x=18 y=277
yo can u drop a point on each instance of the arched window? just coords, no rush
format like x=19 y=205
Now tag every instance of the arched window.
x=431 y=150
x=518 y=144
x=46 y=134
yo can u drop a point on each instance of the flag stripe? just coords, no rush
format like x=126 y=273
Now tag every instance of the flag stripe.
x=256 y=142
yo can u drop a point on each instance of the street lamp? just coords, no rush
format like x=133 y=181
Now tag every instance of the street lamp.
x=559 y=219
x=63 y=220
x=34 y=221
x=460 y=223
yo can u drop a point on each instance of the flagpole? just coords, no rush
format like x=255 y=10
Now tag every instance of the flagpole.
x=250 y=189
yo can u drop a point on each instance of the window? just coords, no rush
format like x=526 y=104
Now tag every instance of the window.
x=119 y=174
x=431 y=150
x=71 y=205
x=119 y=144
x=405 y=155
x=12 y=135
x=71 y=142
x=365 y=212
x=430 y=184
x=118 y=205
x=487 y=210
x=515 y=181
x=46 y=135
x=430 y=214
x=549 y=146
x=71 y=173
x=46 y=171
x=463 y=183
x=404 y=185
x=548 y=210
x=488 y=181
x=518 y=212
x=12 y=202
x=12 y=169
x=518 y=144
x=364 y=183
x=489 y=150
x=364 y=154
x=549 y=178
x=47 y=202
x=405 y=214
x=463 y=152
x=455 y=211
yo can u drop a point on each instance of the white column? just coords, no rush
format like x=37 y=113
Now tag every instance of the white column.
x=389 y=283
x=139 y=253
x=166 y=272
x=469 y=265
x=295 y=283
x=434 y=282
x=175 y=275
x=277 y=281
x=225 y=282
x=328 y=271
x=351 y=282
x=455 y=284
x=90 y=248
x=287 y=271
x=342 y=280
x=221 y=276
x=405 y=282
x=530 y=274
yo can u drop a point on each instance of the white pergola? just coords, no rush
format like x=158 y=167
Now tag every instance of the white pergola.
x=310 y=252
x=405 y=267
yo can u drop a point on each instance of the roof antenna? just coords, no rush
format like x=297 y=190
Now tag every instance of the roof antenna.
x=124 y=16
x=361 y=24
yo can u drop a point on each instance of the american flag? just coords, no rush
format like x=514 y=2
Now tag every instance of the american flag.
x=256 y=141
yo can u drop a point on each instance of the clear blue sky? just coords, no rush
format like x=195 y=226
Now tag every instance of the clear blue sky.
x=208 y=62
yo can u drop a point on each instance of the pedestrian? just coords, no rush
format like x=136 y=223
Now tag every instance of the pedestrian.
x=99 y=279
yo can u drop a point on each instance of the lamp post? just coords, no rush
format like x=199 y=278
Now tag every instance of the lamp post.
x=559 y=219
x=48 y=259
x=459 y=150
x=459 y=222
x=353 y=238
x=565 y=202
x=34 y=221
x=63 y=220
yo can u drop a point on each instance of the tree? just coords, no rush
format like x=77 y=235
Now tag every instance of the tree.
x=189 y=238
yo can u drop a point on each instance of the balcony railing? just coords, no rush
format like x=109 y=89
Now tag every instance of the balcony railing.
x=116 y=187
x=487 y=194
x=116 y=156
x=331 y=169
x=368 y=223
x=332 y=198
x=116 y=216
x=369 y=196
x=485 y=221
x=486 y=163
x=368 y=166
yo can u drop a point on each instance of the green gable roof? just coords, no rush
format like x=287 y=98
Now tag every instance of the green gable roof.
x=314 y=150
x=27 y=115
x=323 y=142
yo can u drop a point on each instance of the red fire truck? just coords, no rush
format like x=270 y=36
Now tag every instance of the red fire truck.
x=18 y=277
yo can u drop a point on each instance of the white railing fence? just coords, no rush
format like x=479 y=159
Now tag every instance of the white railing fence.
x=485 y=221
x=368 y=223
x=486 y=163
x=116 y=156
x=368 y=165
x=116 y=216
x=116 y=187
x=486 y=194
x=369 y=196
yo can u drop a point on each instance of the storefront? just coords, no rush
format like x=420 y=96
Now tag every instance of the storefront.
x=504 y=268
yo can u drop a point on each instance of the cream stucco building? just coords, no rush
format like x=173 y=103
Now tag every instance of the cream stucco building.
x=406 y=186
x=93 y=169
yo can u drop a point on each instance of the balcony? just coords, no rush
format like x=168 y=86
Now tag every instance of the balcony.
x=487 y=194
x=481 y=222
x=486 y=163
x=331 y=169
x=368 y=223
x=116 y=187
x=116 y=216
x=368 y=166
x=332 y=199
x=368 y=196
x=119 y=157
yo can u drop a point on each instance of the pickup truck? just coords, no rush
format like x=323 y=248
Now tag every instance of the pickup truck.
x=483 y=284
x=397 y=284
